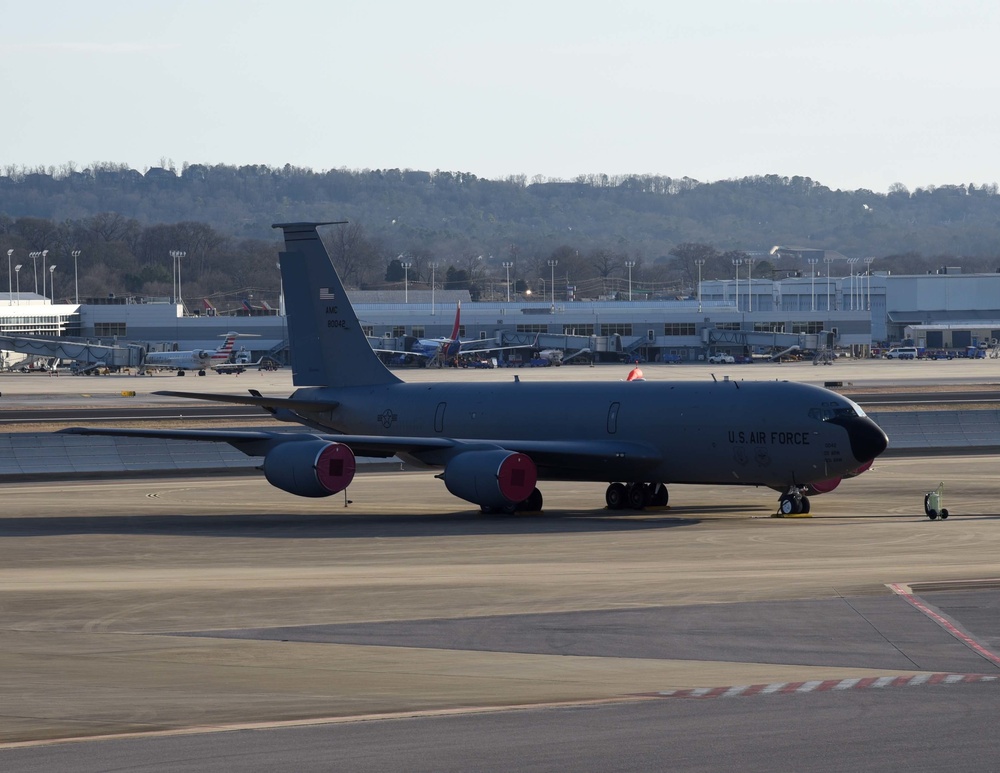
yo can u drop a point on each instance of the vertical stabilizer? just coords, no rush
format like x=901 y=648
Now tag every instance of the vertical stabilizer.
x=328 y=346
x=223 y=353
x=454 y=346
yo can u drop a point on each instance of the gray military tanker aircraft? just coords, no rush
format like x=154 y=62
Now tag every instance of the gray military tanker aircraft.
x=494 y=441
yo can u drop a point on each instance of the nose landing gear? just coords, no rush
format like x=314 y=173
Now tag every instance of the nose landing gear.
x=792 y=503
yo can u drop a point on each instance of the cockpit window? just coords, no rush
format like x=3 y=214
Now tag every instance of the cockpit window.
x=836 y=410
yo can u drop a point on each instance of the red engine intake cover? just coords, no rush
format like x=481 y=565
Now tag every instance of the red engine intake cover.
x=517 y=477
x=335 y=467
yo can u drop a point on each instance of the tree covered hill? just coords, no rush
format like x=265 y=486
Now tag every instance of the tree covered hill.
x=126 y=222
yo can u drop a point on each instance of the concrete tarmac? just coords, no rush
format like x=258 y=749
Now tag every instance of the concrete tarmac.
x=187 y=606
x=89 y=390
x=200 y=604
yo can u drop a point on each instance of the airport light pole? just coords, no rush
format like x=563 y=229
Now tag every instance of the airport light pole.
x=173 y=276
x=17 y=274
x=44 y=255
x=630 y=264
x=507 y=265
x=829 y=262
x=433 y=266
x=177 y=255
x=851 y=263
x=34 y=267
x=407 y=265
x=10 y=280
x=868 y=271
x=737 y=262
x=699 y=262
x=552 y=281
x=180 y=292
x=76 y=276
x=812 y=279
x=52 y=281
x=281 y=292
x=750 y=285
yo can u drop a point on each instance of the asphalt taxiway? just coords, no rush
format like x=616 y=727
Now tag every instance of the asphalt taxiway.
x=199 y=623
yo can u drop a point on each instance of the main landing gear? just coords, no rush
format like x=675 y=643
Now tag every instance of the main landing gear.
x=794 y=502
x=636 y=496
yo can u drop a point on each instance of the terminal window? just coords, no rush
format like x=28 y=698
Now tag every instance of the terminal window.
x=107 y=329
x=679 y=329
x=621 y=328
x=532 y=329
x=807 y=327
x=769 y=327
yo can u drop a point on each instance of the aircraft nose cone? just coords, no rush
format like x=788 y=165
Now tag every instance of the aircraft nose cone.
x=867 y=438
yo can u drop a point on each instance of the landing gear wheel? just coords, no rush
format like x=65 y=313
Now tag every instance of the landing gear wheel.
x=944 y=513
x=932 y=514
x=635 y=495
x=789 y=505
x=201 y=373
x=615 y=496
x=657 y=495
x=804 y=506
x=533 y=503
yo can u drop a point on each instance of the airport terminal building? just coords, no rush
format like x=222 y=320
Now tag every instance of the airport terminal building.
x=854 y=313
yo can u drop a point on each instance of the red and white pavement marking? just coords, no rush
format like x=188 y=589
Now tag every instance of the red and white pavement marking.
x=904 y=591
x=829 y=685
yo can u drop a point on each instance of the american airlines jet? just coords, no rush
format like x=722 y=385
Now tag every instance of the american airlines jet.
x=495 y=443
x=199 y=360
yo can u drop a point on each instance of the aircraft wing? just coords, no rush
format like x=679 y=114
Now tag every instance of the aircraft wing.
x=267 y=403
x=259 y=442
x=379 y=350
x=468 y=347
x=582 y=458
x=560 y=458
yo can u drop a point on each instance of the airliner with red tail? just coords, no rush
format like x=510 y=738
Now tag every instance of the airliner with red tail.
x=445 y=351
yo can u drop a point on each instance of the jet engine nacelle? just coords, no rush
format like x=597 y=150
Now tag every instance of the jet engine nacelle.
x=310 y=468
x=492 y=479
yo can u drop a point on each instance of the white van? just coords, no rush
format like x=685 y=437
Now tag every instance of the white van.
x=902 y=353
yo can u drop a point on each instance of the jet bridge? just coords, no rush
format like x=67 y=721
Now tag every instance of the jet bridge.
x=85 y=353
x=746 y=338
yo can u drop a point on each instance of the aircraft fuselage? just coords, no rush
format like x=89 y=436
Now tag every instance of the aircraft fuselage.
x=715 y=432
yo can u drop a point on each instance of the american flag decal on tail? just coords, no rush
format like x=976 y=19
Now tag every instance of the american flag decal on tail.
x=326 y=294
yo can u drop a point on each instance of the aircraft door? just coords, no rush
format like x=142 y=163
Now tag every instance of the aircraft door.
x=439 y=417
x=613 y=418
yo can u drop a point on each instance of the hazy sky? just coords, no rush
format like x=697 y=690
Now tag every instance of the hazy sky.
x=852 y=93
